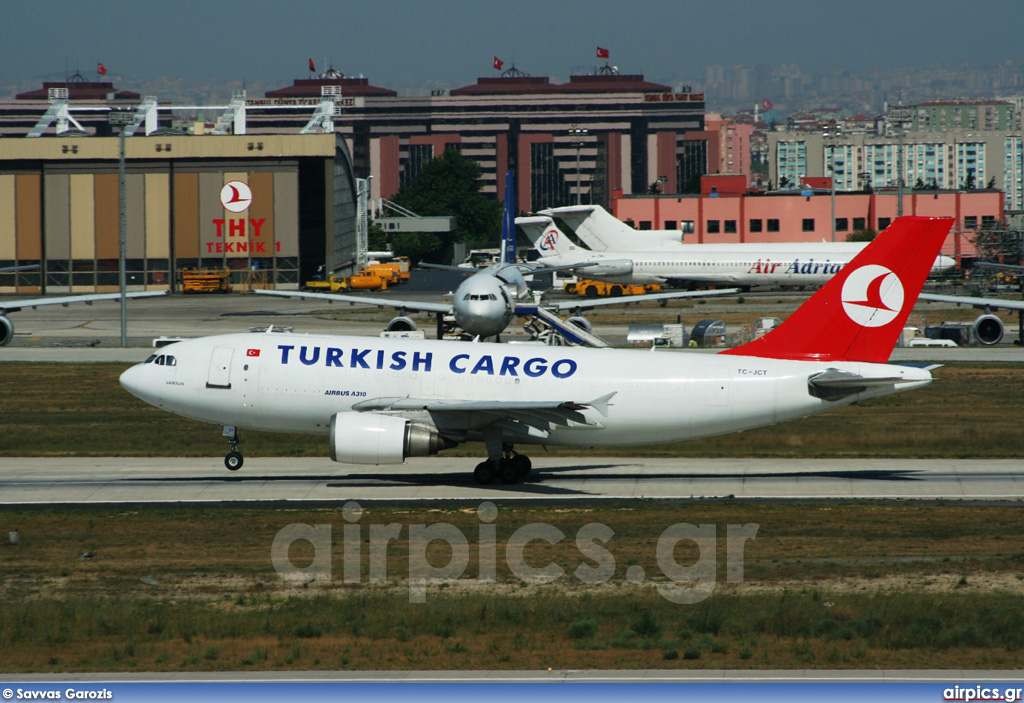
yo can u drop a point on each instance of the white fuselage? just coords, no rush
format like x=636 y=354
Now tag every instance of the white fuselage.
x=735 y=264
x=296 y=383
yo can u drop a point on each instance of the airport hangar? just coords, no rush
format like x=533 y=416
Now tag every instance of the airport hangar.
x=59 y=208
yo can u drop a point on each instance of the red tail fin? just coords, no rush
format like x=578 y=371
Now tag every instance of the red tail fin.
x=858 y=315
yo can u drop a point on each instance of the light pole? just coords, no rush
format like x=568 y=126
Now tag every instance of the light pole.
x=121 y=117
x=899 y=173
x=830 y=140
x=578 y=133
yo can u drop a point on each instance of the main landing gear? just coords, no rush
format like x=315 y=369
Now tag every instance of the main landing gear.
x=234 y=460
x=508 y=468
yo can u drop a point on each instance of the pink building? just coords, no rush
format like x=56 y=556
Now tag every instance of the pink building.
x=733 y=139
x=723 y=216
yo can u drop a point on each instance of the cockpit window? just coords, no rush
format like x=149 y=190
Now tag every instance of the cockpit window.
x=162 y=360
x=170 y=361
x=150 y=359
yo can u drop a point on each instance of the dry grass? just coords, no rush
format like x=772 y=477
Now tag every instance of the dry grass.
x=873 y=585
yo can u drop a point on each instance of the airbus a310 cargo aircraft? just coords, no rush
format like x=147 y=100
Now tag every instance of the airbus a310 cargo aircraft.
x=382 y=400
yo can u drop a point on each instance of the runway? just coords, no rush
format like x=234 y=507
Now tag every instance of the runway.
x=84 y=481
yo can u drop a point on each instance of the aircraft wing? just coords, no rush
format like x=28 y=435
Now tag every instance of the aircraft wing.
x=16 y=305
x=464 y=270
x=1003 y=267
x=997 y=303
x=363 y=300
x=542 y=416
x=586 y=303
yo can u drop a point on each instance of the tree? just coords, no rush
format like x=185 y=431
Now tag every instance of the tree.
x=449 y=185
x=861 y=235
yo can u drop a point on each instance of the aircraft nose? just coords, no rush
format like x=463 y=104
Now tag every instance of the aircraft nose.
x=131 y=380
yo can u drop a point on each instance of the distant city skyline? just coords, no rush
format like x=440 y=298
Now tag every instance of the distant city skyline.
x=416 y=47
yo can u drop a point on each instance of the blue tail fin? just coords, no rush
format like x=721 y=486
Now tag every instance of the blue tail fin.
x=508 y=221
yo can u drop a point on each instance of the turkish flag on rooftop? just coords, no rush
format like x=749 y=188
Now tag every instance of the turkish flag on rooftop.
x=602 y=53
x=498 y=63
x=312 y=67
x=101 y=69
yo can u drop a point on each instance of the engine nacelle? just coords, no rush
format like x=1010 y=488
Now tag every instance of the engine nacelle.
x=401 y=324
x=6 y=330
x=615 y=267
x=371 y=438
x=581 y=322
x=988 y=329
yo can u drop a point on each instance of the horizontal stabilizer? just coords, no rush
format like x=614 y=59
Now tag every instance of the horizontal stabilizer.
x=834 y=384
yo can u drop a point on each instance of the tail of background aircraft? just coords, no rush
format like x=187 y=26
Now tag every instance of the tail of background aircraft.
x=859 y=314
x=597 y=227
x=508 y=221
x=546 y=237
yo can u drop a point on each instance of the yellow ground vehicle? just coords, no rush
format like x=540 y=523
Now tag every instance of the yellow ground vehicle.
x=399 y=265
x=364 y=280
x=208 y=280
x=597 y=289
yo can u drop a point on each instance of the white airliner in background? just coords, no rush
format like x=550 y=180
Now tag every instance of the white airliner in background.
x=9 y=306
x=744 y=265
x=988 y=329
x=382 y=400
x=488 y=300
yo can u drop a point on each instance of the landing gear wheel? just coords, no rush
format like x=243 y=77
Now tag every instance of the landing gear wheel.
x=233 y=461
x=484 y=473
x=508 y=473
x=522 y=464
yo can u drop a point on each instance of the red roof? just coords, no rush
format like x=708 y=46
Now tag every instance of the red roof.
x=80 y=90
x=513 y=85
x=522 y=85
x=350 y=87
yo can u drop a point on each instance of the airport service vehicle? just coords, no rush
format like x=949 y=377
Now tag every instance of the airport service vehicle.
x=595 y=289
x=380 y=401
x=206 y=280
x=364 y=280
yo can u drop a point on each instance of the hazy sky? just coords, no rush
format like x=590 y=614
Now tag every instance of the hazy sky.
x=449 y=43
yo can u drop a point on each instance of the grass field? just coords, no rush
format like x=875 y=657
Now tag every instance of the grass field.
x=870 y=585
x=971 y=410
x=824 y=586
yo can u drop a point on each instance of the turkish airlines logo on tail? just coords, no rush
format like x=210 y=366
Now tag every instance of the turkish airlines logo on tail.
x=873 y=296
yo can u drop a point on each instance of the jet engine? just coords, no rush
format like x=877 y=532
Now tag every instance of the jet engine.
x=371 y=438
x=401 y=324
x=988 y=329
x=6 y=330
x=581 y=322
x=614 y=267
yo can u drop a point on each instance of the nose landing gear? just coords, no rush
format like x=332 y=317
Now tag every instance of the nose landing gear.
x=234 y=460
